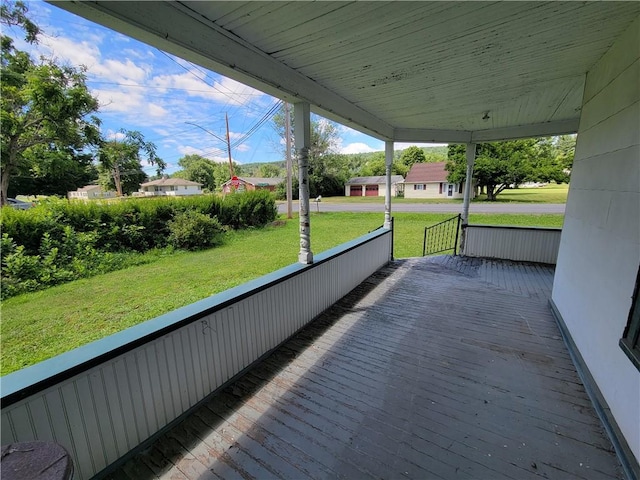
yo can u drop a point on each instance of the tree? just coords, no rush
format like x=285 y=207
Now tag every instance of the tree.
x=412 y=155
x=500 y=165
x=198 y=169
x=269 y=170
x=554 y=159
x=376 y=166
x=43 y=105
x=47 y=171
x=120 y=162
x=325 y=172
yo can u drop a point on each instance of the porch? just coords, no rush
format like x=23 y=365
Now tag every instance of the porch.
x=440 y=367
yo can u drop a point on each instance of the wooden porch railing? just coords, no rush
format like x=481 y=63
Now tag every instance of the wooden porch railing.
x=524 y=244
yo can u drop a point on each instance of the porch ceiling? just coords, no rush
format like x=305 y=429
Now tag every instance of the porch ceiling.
x=407 y=71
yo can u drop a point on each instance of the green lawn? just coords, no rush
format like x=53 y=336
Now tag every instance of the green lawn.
x=40 y=325
x=547 y=194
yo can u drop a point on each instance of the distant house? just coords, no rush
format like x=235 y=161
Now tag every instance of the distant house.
x=252 y=183
x=429 y=180
x=90 y=192
x=170 y=187
x=372 y=186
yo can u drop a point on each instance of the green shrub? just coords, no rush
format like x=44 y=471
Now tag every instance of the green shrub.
x=249 y=209
x=192 y=230
x=58 y=240
x=59 y=260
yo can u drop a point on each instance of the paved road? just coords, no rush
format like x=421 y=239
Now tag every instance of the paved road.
x=434 y=207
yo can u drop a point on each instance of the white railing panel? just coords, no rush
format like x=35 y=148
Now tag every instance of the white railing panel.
x=100 y=404
x=523 y=244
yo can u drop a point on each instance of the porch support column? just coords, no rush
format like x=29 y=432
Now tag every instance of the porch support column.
x=388 y=160
x=471 y=158
x=302 y=136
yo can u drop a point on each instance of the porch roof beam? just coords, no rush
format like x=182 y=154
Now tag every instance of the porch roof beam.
x=545 y=129
x=489 y=135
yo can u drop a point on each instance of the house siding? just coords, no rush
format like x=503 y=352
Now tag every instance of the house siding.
x=178 y=190
x=600 y=244
x=382 y=189
x=432 y=190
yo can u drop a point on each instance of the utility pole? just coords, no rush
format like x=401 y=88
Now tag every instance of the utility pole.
x=229 y=145
x=226 y=141
x=287 y=129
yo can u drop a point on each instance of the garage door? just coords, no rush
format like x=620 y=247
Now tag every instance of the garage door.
x=371 y=191
x=355 y=191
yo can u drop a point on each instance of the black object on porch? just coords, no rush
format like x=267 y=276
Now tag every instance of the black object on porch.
x=442 y=237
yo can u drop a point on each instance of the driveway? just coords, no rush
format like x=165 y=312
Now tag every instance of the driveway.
x=485 y=207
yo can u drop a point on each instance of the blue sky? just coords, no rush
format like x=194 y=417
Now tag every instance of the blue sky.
x=142 y=88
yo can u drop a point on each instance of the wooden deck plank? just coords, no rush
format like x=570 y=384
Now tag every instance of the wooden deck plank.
x=440 y=367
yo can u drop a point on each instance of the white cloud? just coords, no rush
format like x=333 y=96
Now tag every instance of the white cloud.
x=118 y=100
x=156 y=110
x=243 y=147
x=189 y=150
x=403 y=145
x=119 y=72
x=225 y=91
x=118 y=136
x=141 y=54
x=357 y=147
x=71 y=51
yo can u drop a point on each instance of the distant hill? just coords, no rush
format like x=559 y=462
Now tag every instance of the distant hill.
x=355 y=161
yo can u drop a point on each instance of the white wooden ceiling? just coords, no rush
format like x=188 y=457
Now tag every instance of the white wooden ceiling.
x=403 y=71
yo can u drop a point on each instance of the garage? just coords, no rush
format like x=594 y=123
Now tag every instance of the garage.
x=371 y=191
x=355 y=191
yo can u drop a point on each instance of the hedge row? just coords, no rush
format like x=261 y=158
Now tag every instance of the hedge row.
x=61 y=241
x=134 y=224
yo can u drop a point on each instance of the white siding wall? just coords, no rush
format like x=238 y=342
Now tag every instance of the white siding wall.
x=431 y=191
x=181 y=190
x=105 y=411
x=382 y=189
x=600 y=245
x=513 y=243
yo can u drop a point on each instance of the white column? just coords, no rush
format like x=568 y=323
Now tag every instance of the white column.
x=388 y=160
x=302 y=136
x=471 y=158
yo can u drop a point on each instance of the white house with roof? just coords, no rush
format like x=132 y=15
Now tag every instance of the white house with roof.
x=90 y=192
x=372 y=186
x=251 y=183
x=170 y=187
x=429 y=180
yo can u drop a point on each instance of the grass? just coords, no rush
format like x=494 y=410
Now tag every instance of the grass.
x=40 y=325
x=547 y=194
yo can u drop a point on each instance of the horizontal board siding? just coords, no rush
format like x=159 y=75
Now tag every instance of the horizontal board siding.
x=513 y=243
x=104 y=412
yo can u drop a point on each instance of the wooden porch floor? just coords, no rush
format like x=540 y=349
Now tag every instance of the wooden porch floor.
x=441 y=367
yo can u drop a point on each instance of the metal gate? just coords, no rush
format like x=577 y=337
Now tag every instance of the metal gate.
x=442 y=236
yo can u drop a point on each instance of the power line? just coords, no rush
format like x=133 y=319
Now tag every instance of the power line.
x=254 y=128
x=191 y=72
x=272 y=111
